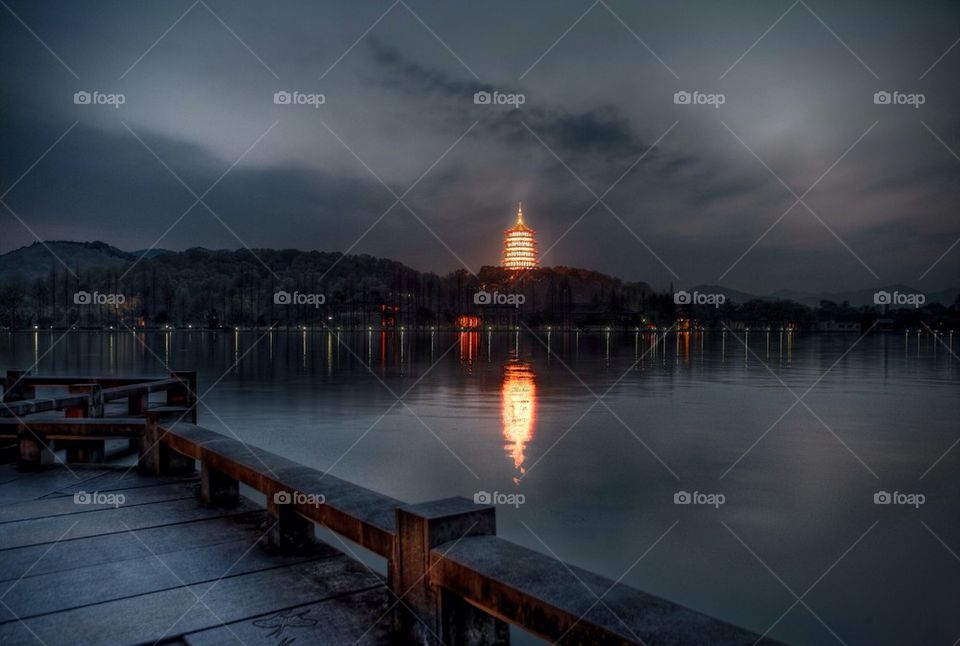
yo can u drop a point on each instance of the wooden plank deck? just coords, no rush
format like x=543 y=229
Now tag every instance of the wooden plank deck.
x=161 y=566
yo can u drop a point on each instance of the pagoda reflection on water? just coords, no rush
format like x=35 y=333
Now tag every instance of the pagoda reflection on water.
x=518 y=409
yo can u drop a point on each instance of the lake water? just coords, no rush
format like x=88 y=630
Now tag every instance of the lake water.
x=499 y=413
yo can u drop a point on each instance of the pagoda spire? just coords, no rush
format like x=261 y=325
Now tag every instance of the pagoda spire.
x=520 y=212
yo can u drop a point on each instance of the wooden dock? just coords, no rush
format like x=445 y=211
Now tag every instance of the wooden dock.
x=162 y=567
x=95 y=552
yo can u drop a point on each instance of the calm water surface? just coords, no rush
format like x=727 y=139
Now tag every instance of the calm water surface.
x=499 y=413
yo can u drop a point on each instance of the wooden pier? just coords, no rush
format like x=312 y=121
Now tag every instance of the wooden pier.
x=95 y=552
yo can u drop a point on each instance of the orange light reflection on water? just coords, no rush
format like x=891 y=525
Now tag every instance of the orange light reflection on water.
x=518 y=409
x=469 y=347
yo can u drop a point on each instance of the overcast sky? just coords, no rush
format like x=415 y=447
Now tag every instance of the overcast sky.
x=704 y=192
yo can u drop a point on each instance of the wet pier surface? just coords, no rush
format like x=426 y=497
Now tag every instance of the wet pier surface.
x=109 y=555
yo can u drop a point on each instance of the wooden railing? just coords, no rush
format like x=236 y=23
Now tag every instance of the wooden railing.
x=444 y=560
x=87 y=395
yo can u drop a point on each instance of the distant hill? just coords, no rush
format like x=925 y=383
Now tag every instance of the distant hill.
x=733 y=295
x=151 y=253
x=38 y=259
x=240 y=287
x=856 y=298
x=236 y=286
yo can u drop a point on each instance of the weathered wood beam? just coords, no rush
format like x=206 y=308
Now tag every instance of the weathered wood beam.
x=77 y=427
x=16 y=387
x=440 y=618
x=217 y=489
x=155 y=456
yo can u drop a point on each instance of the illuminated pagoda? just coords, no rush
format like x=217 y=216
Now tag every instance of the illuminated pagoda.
x=520 y=245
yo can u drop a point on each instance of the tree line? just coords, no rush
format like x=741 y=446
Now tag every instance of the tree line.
x=288 y=288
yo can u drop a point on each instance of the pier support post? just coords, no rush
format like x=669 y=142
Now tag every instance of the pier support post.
x=156 y=457
x=14 y=389
x=136 y=405
x=185 y=394
x=291 y=532
x=83 y=451
x=217 y=489
x=34 y=451
x=91 y=451
x=440 y=616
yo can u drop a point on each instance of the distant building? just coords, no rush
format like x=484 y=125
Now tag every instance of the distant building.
x=884 y=325
x=838 y=326
x=683 y=324
x=520 y=245
x=469 y=322
x=388 y=315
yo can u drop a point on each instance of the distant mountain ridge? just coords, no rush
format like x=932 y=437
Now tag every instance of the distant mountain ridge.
x=36 y=260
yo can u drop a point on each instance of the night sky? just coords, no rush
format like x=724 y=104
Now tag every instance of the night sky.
x=702 y=194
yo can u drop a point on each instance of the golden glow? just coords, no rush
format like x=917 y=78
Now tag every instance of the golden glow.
x=520 y=245
x=518 y=409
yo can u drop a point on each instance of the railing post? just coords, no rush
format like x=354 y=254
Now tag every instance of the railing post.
x=184 y=394
x=93 y=407
x=217 y=489
x=155 y=457
x=85 y=450
x=441 y=617
x=291 y=532
x=14 y=389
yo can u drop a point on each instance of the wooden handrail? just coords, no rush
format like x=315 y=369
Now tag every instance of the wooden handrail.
x=81 y=428
x=443 y=556
x=24 y=407
x=359 y=514
x=104 y=382
x=140 y=388
x=552 y=599
x=20 y=386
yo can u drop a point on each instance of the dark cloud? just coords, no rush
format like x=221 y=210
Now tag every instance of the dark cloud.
x=399 y=99
x=106 y=185
x=598 y=132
